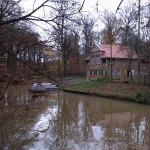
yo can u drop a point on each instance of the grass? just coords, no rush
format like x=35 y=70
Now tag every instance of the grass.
x=122 y=91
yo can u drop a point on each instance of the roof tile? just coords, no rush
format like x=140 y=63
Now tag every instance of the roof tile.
x=118 y=51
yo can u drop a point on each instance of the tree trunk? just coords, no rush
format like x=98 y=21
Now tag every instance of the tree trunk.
x=111 y=65
x=65 y=68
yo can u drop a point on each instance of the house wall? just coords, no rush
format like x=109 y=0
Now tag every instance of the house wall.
x=120 y=68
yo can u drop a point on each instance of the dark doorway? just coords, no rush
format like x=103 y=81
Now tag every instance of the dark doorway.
x=128 y=73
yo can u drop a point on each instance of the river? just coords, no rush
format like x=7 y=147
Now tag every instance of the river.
x=67 y=121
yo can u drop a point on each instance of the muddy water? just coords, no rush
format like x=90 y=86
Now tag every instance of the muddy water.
x=66 y=121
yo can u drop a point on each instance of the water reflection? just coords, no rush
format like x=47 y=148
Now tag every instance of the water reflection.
x=65 y=121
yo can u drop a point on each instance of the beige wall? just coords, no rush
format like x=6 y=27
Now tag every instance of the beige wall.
x=120 y=68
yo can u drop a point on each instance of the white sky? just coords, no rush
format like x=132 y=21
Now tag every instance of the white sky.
x=89 y=6
x=110 y=5
x=103 y=4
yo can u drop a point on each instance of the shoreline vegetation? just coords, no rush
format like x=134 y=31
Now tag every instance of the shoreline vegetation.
x=114 y=90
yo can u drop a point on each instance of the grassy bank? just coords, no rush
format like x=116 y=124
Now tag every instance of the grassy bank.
x=120 y=91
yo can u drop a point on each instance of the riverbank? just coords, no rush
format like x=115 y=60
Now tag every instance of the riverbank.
x=115 y=90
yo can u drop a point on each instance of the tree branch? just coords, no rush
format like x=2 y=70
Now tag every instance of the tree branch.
x=25 y=17
x=119 y=5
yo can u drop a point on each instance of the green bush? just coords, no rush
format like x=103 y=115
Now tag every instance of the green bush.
x=143 y=97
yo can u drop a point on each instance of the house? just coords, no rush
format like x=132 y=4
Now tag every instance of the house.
x=124 y=61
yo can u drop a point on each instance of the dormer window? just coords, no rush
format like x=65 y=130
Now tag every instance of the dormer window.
x=97 y=59
x=92 y=60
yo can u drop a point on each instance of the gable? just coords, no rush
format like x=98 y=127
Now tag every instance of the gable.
x=96 y=49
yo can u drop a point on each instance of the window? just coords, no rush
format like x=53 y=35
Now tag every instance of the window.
x=93 y=72
x=92 y=62
x=113 y=72
x=119 y=72
x=104 y=61
x=97 y=72
x=97 y=59
x=101 y=72
x=109 y=61
x=104 y=72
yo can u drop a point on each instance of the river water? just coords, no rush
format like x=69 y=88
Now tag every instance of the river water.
x=66 y=121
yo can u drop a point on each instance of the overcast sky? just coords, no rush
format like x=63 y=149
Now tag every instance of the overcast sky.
x=110 y=5
x=89 y=6
x=102 y=4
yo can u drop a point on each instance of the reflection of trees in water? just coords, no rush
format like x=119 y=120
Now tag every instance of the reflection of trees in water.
x=17 y=117
x=122 y=126
x=133 y=135
x=71 y=125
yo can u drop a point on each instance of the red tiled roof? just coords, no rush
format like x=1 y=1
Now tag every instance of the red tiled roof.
x=117 y=52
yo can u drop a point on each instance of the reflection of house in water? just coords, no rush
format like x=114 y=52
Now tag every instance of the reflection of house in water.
x=110 y=112
x=117 y=118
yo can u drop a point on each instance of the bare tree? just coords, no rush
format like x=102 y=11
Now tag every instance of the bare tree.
x=20 y=44
x=88 y=34
x=64 y=13
x=64 y=31
x=128 y=16
x=129 y=31
x=8 y=15
x=111 y=30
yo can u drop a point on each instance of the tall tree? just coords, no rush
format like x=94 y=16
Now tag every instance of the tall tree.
x=88 y=34
x=132 y=34
x=110 y=32
x=128 y=16
x=64 y=29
